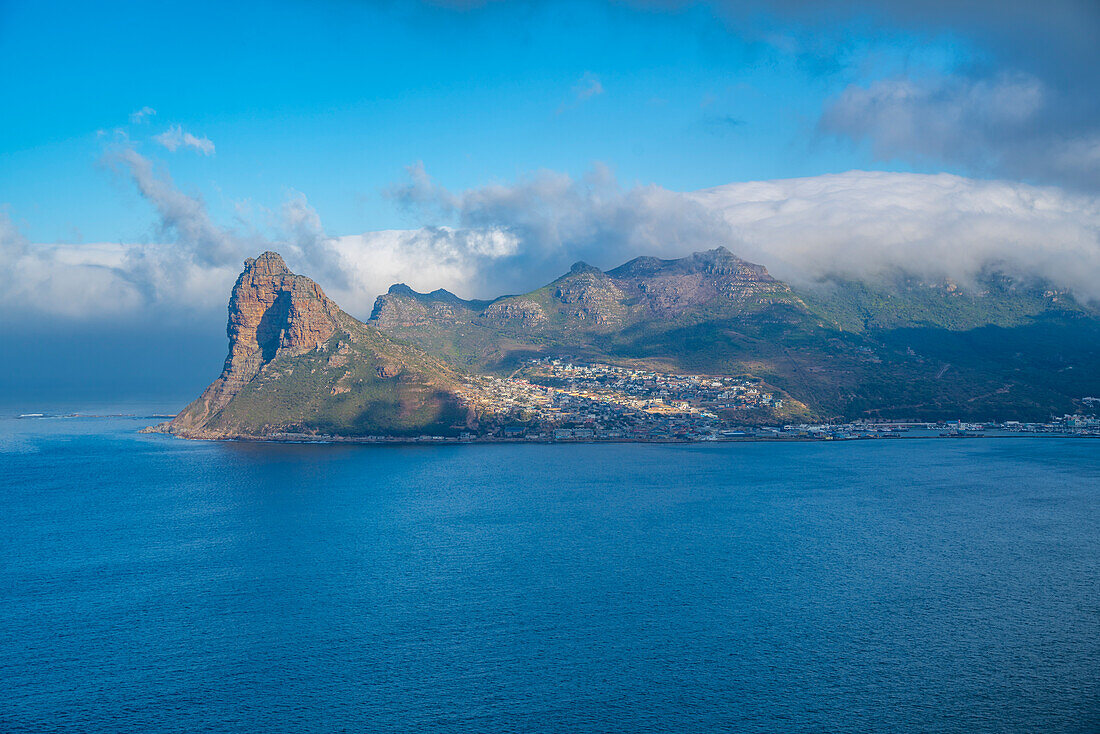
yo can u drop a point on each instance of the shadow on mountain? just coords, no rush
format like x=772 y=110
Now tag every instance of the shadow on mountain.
x=1013 y=373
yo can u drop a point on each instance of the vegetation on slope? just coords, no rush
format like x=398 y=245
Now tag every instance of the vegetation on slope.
x=357 y=383
x=896 y=348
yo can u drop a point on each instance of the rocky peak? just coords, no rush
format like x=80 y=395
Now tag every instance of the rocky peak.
x=267 y=264
x=589 y=295
x=639 y=267
x=439 y=295
x=714 y=276
x=582 y=267
x=272 y=309
x=272 y=312
x=717 y=262
x=402 y=307
x=721 y=261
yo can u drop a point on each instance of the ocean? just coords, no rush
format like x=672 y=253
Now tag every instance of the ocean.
x=155 y=584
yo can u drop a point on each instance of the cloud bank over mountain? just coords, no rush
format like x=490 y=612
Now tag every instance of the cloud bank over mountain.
x=866 y=224
x=511 y=237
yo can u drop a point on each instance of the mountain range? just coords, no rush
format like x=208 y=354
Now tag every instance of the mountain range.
x=896 y=347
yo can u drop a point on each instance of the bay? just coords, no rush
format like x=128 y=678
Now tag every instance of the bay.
x=150 y=583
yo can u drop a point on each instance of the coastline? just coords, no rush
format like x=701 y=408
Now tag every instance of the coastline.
x=300 y=439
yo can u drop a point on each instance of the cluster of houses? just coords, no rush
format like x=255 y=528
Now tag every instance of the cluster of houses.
x=648 y=389
x=556 y=399
x=562 y=400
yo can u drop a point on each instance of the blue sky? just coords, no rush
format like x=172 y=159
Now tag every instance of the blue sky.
x=335 y=99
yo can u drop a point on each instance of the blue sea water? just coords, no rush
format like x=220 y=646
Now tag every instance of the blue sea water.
x=153 y=584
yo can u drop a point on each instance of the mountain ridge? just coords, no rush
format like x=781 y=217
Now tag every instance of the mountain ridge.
x=841 y=346
x=435 y=363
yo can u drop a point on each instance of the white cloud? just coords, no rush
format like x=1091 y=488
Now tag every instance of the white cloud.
x=299 y=227
x=511 y=238
x=943 y=117
x=858 y=224
x=863 y=224
x=12 y=242
x=181 y=217
x=1011 y=92
x=460 y=260
x=176 y=137
x=141 y=115
x=53 y=280
x=556 y=220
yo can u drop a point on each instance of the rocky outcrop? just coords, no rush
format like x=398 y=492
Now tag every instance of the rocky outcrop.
x=588 y=295
x=272 y=309
x=398 y=309
x=272 y=312
x=712 y=279
x=402 y=307
x=514 y=313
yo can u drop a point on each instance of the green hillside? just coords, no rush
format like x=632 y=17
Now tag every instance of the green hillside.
x=998 y=348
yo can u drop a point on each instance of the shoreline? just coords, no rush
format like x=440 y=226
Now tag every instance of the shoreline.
x=403 y=441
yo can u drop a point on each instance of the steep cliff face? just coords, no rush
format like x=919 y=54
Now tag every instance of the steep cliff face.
x=272 y=311
x=297 y=363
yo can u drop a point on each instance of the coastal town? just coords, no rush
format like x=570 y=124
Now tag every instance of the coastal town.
x=557 y=399
x=681 y=431
x=560 y=400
